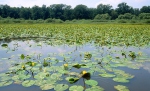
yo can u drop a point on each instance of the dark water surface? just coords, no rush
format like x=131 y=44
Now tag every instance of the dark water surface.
x=11 y=55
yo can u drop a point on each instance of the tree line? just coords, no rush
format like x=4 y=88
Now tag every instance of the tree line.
x=66 y=12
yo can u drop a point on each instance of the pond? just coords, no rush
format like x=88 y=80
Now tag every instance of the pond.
x=49 y=64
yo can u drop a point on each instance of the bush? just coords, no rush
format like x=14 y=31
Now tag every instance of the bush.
x=147 y=21
x=102 y=17
x=144 y=16
x=58 y=21
x=132 y=21
x=122 y=21
x=74 y=20
x=1 y=18
x=126 y=16
x=29 y=21
x=40 y=21
x=50 y=20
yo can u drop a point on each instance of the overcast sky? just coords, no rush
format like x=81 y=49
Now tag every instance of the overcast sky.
x=73 y=3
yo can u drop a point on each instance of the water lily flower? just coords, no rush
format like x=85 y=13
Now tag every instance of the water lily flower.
x=32 y=63
x=65 y=65
x=84 y=72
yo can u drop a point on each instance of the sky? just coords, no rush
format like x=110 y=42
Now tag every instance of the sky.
x=73 y=3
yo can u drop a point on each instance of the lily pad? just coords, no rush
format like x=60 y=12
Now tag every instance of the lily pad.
x=120 y=79
x=28 y=83
x=5 y=83
x=91 y=82
x=5 y=78
x=40 y=75
x=76 y=88
x=23 y=76
x=107 y=75
x=22 y=56
x=47 y=86
x=95 y=88
x=61 y=87
x=72 y=79
x=121 y=88
x=4 y=45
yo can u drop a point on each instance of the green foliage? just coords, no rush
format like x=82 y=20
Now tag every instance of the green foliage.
x=65 y=12
x=91 y=82
x=144 y=16
x=121 y=88
x=49 y=73
x=126 y=16
x=76 y=88
x=122 y=21
x=50 y=20
x=102 y=17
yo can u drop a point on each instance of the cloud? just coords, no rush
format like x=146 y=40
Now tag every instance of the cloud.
x=147 y=67
x=61 y=50
x=133 y=3
x=30 y=3
x=73 y=3
x=111 y=2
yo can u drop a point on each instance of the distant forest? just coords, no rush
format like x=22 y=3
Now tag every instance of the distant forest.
x=66 y=12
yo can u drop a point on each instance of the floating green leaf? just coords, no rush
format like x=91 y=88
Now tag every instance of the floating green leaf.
x=91 y=82
x=4 y=45
x=22 y=56
x=61 y=87
x=23 y=76
x=72 y=79
x=78 y=65
x=5 y=83
x=107 y=75
x=120 y=79
x=76 y=88
x=28 y=83
x=47 y=86
x=121 y=88
x=95 y=88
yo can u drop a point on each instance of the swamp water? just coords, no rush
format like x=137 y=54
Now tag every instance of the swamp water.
x=36 y=65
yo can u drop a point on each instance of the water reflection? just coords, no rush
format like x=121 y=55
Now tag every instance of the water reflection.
x=89 y=54
x=146 y=66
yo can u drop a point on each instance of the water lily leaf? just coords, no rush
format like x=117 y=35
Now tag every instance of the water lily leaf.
x=95 y=88
x=3 y=75
x=76 y=88
x=134 y=66
x=28 y=83
x=4 y=45
x=23 y=76
x=78 y=65
x=107 y=75
x=56 y=76
x=61 y=87
x=120 y=79
x=91 y=82
x=121 y=88
x=72 y=79
x=22 y=56
x=40 y=75
x=5 y=83
x=15 y=77
x=5 y=78
x=39 y=82
x=47 y=86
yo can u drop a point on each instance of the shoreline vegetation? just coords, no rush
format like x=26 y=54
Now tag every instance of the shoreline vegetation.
x=62 y=13
x=74 y=21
